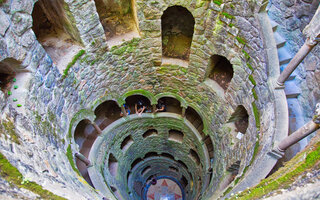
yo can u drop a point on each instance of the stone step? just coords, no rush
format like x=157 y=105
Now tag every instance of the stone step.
x=292 y=75
x=291 y=89
x=274 y=25
x=284 y=56
x=280 y=41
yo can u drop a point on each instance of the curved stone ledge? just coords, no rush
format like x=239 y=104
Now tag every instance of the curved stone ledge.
x=98 y=157
x=266 y=160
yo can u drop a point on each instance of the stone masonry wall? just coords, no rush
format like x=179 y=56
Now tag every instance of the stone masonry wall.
x=229 y=29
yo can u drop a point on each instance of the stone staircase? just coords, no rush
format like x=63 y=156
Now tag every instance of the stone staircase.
x=292 y=89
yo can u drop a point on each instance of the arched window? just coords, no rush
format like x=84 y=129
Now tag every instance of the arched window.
x=149 y=133
x=84 y=136
x=113 y=165
x=195 y=119
x=208 y=142
x=221 y=70
x=240 y=118
x=117 y=19
x=175 y=135
x=170 y=105
x=106 y=113
x=8 y=70
x=194 y=156
x=177 y=25
x=56 y=31
x=126 y=143
x=139 y=100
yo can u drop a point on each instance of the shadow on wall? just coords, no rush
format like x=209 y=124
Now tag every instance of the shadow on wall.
x=221 y=71
x=116 y=17
x=55 y=31
x=177 y=25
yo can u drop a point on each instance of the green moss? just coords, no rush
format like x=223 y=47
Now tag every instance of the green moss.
x=126 y=47
x=254 y=93
x=70 y=158
x=256 y=114
x=218 y=2
x=227 y=15
x=290 y=172
x=7 y=128
x=246 y=55
x=14 y=177
x=74 y=60
x=227 y=191
x=231 y=25
x=250 y=67
x=252 y=80
x=218 y=26
x=241 y=40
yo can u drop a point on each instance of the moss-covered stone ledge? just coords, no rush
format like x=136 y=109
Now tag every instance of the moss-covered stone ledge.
x=117 y=130
x=304 y=162
x=15 y=178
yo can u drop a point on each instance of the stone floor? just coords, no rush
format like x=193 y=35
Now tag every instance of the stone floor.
x=165 y=189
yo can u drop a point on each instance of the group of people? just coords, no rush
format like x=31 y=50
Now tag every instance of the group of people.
x=140 y=106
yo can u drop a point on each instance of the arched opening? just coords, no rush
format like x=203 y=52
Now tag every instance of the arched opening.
x=14 y=81
x=56 y=31
x=140 y=102
x=184 y=182
x=194 y=118
x=112 y=165
x=117 y=19
x=176 y=136
x=149 y=133
x=84 y=136
x=177 y=25
x=145 y=170
x=170 y=105
x=221 y=71
x=151 y=154
x=240 y=118
x=167 y=155
x=183 y=164
x=194 y=156
x=126 y=143
x=135 y=162
x=8 y=69
x=208 y=142
x=106 y=113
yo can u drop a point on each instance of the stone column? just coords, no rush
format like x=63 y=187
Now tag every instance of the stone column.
x=183 y=113
x=154 y=108
x=302 y=132
x=293 y=64
x=123 y=110
x=97 y=128
x=83 y=159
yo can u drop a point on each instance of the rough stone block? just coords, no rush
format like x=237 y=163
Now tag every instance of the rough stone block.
x=5 y=23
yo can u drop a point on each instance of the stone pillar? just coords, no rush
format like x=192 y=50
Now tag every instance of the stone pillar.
x=97 y=128
x=154 y=108
x=302 y=132
x=83 y=159
x=183 y=113
x=123 y=110
x=293 y=64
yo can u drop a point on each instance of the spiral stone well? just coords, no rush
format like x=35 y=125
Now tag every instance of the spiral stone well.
x=73 y=72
